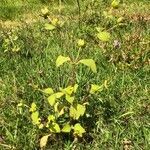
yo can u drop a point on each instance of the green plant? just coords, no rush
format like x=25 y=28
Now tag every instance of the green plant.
x=118 y=117
x=111 y=20
x=53 y=22
x=67 y=107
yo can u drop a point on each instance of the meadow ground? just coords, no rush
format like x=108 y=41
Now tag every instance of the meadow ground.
x=119 y=114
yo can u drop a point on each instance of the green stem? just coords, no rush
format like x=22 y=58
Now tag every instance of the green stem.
x=79 y=12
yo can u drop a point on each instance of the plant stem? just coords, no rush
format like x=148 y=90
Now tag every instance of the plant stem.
x=79 y=12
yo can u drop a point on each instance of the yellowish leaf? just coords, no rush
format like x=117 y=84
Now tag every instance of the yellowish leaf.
x=56 y=107
x=33 y=107
x=81 y=42
x=48 y=91
x=90 y=63
x=45 y=11
x=43 y=141
x=35 y=118
x=54 y=21
x=41 y=126
x=75 y=88
x=76 y=112
x=54 y=127
x=66 y=128
x=59 y=94
x=49 y=26
x=61 y=59
x=67 y=90
x=51 y=118
x=104 y=36
x=80 y=110
x=51 y=99
x=69 y=98
x=78 y=130
x=95 y=88
x=73 y=113
x=115 y=3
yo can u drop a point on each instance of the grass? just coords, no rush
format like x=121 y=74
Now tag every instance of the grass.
x=120 y=115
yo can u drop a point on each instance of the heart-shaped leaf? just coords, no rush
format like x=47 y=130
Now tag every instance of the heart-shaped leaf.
x=78 y=129
x=49 y=26
x=35 y=118
x=90 y=63
x=48 y=91
x=104 y=36
x=77 y=111
x=61 y=59
x=51 y=99
x=69 y=98
x=95 y=88
x=43 y=141
x=66 y=128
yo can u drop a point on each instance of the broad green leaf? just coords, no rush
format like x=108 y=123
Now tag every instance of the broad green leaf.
x=76 y=112
x=51 y=99
x=48 y=91
x=49 y=26
x=72 y=113
x=78 y=129
x=115 y=3
x=80 y=110
x=35 y=117
x=95 y=88
x=59 y=94
x=33 y=107
x=66 y=128
x=54 y=127
x=104 y=36
x=68 y=90
x=43 y=141
x=81 y=42
x=69 y=98
x=61 y=59
x=90 y=63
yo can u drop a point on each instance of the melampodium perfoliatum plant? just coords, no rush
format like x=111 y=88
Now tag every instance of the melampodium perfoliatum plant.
x=67 y=111
x=67 y=108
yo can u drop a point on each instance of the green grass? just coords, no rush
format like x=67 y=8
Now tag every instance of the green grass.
x=120 y=114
